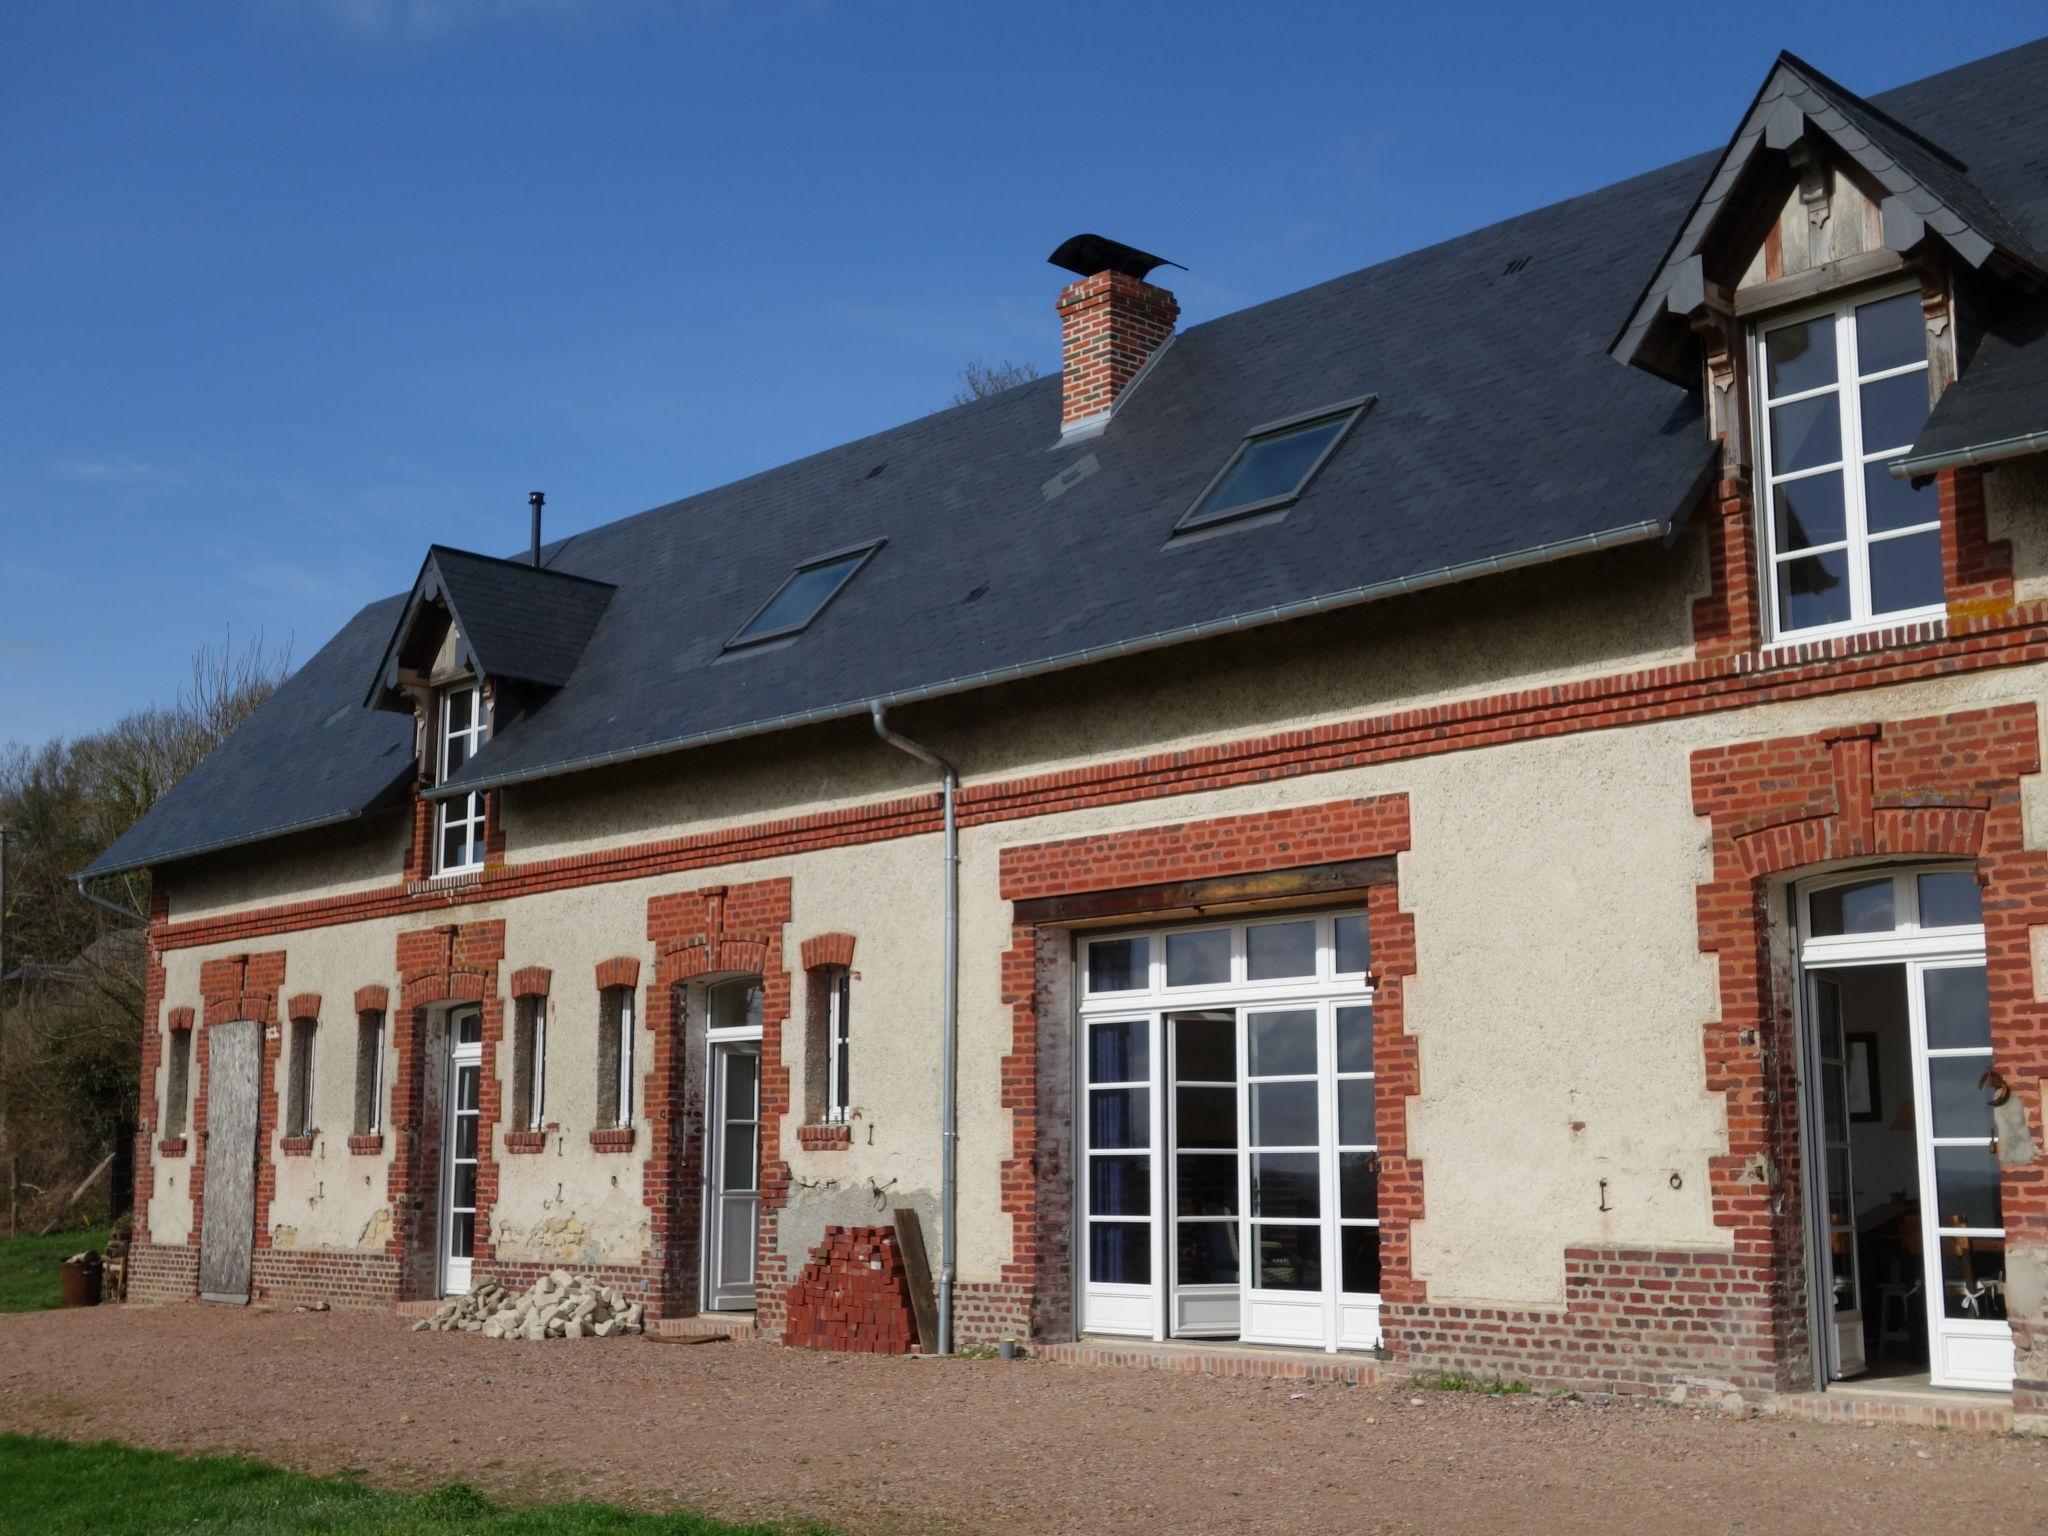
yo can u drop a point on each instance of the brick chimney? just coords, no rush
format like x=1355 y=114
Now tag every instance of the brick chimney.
x=1111 y=322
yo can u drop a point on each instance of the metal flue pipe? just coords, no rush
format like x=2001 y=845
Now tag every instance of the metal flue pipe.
x=536 y=500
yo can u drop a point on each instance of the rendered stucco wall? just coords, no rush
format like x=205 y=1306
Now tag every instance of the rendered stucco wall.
x=2015 y=501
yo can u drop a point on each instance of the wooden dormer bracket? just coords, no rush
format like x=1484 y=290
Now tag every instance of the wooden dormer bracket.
x=1816 y=177
x=1724 y=363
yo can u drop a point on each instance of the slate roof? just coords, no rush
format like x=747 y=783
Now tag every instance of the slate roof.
x=1504 y=433
x=2001 y=397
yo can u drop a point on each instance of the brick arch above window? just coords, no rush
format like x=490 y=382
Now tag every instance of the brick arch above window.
x=373 y=999
x=179 y=1018
x=828 y=949
x=304 y=1005
x=619 y=971
x=531 y=981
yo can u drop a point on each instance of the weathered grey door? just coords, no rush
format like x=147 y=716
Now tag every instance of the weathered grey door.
x=227 y=1229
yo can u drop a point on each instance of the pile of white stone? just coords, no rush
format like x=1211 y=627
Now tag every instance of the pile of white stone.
x=560 y=1306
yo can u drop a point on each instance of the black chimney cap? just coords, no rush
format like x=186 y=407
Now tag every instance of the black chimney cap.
x=1090 y=254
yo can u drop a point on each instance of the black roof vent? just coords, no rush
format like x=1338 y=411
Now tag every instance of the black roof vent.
x=1087 y=255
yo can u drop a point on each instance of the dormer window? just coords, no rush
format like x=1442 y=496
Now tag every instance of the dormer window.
x=459 y=835
x=1843 y=391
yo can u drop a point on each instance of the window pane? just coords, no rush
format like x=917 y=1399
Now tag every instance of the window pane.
x=1890 y=333
x=1286 y=1184
x=1842 y=1271
x=1207 y=1251
x=1119 y=1117
x=454 y=845
x=1967 y=1181
x=466 y=1082
x=1813 y=590
x=1809 y=512
x=1119 y=965
x=462 y=1239
x=1961 y=1108
x=1889 y=504
x=1362 y=1261
x=801 y=597
x=1205 y=1117
x=1973 y=1277
x=1805 y=434
x=1198 y=959
x=739 y=1156
x=461 y=701
x=1950 y=899
x=1276 y=951
x=1120 y=1052
x=1205 y=1047
x=1271 y=466
x=1208 y=1185
x=1354 y=945
x=1894 y=411
x=1358 y=1181
x=1799 y=357
x=469 y=1028
x=1120 y=1252
x=1834 y=1103
x=1290 y=1258
x=1906 y=572
x=1354 y=1112
x=1838 y=1186
x=465 y=1136
x=1354 y=1039
x=1862 y=908
x=1282 y=1044
x=1958 y=1009
x=1120 y=1186
x=1284 y=1115
x=465 y=1185
x=734 y=1004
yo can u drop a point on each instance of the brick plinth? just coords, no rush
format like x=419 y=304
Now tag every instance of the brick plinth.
x=160 y=1272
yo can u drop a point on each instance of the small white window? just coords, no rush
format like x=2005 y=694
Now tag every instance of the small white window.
x=1841 y=393
x=298 y=1120
x=369 y=1073
x=615 y=1058
x=838 y=1007
x=529 y=1065
x=459 y=839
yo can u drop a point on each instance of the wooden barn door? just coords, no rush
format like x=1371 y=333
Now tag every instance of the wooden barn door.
x=227 y=1230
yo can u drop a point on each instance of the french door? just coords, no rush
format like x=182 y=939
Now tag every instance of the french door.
x=732 y=1163
x=459 y=1137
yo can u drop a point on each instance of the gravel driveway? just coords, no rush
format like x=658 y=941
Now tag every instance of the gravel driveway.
x=895 y=1445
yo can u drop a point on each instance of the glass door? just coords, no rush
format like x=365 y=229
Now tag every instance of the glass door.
x=458 y=1183
x=1358 y=1180
x=1282 y=1179
x=733 y=1162
x=1116 y=1203
x=1208 y=1239
x=1842 y=1285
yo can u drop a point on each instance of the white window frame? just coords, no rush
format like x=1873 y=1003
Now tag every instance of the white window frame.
x=838 y=1007
x=1856 y=539
x=375 y=1124
x=626 y=1027
x=537 y=1115
x=471 y=806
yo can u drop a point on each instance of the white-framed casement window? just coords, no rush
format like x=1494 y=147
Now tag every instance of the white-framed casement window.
x=459 y=829
x=838 y=1013
x=1841 y=391
x=615 y=1058
x=369 y=1072
x=298 y=1119
x=530 y=1065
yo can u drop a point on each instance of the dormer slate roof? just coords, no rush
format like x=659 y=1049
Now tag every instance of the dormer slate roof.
x=1504 y=434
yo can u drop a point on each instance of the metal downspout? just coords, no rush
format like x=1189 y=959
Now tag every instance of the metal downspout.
x=101 y=901
x=949 y=1112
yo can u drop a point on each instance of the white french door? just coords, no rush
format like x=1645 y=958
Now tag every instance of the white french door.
x=732 y=1161
x=461 y=1123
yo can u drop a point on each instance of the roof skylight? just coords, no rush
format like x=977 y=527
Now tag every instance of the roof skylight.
x=801 y=598
x=1273 y=465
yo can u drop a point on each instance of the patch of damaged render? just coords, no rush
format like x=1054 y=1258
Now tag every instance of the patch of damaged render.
x=568 y=1240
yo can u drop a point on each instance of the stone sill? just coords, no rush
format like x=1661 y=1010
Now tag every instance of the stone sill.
x=835 y=1137
x=613 y=1139
x=366 y=1145
x=173 y=1146
x=299 y=1146
x=526 y=1141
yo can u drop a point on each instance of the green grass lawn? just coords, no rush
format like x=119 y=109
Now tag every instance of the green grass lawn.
x=28 y=1266
x=54 y=1488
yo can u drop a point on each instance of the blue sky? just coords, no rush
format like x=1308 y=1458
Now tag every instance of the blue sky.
x=293 y=289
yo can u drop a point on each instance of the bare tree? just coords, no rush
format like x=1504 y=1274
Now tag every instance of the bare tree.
x=979 y=380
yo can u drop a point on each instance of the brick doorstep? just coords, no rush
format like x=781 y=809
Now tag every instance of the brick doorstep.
x=740 y=1325
x=1217 y=1360
x=1924 y=1408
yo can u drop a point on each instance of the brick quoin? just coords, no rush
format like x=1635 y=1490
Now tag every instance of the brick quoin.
x=1940 y=787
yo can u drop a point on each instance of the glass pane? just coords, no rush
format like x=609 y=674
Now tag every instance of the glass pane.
x=1198 y=959
x=1284 y=1115
x=1966 y=1179
x=461 y=701
x=1805 y=434
x=1890 y=333
x=1120 y=1052
x=1354 y=1112
x=1208 y=1185
x=1961 y=1108
x=1894 y=411
x=466 y=1081
x=1354 y=1039
x=1207 y=1251
x=1358 y=1183
x=1950 y=899
x=1286 y=1184
x=1271 y=466
x=1833 y=1101
x=1282 y=1044
x=462 y=1234
x=735 y=1005
x=1119 y=1117
x=465 y=1136
x=1958 y=1009
x=1799 y=357
x=1838 y=1186
x=1119 y=965
x=1290 y=1258
x=1120 y=1252
x=1842 y=1270
x=469 y=1028
x=1906 y=573
x=1205 y=1117
x=1362 y=1261
x=1205 y=1047
x=801 y=597
x=1120 y=1186
x=1813 y=590
x=1809 y=512
x=1275 y=951
x=1828 y=1004
x=1973 y=1277
x=1865 y=907
x=739 y=1157
x=454 y=845
x=1889 y=503
x=464 y=1193
x=1354 y=945
x=741 y=1068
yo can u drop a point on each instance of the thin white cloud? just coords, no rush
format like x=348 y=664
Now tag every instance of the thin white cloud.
x=113 y=469
x=425 y=19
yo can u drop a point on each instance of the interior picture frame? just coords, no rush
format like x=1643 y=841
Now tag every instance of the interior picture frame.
x=1866 y=1095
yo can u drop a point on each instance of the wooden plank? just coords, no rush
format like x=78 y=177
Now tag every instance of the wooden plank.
x=1207 y=895
x=917 y=1270
x=227 y=1232
x=1816 y=281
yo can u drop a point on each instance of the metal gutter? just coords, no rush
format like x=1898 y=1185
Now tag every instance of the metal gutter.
x=1910 y=468
x=113 y=907
x=1278 y=613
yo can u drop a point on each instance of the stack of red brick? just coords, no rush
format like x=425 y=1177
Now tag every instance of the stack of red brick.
x=853 y=1295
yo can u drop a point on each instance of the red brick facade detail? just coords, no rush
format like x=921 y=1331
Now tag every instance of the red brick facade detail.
x=530 y=981
x=296 y=1146
x=619 y=971
x=149 y=1111
x=1729 y=620
x=1942 y=787
x=836 y=1137
x=828 y=949
x=1976 y=568
x=517 y=1142
x=1110 y=325
x=366 y=1146
x=170 y=1146
x=304 y=1005
x=618 y=1138
x=373 y=999
x=179 y=1018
